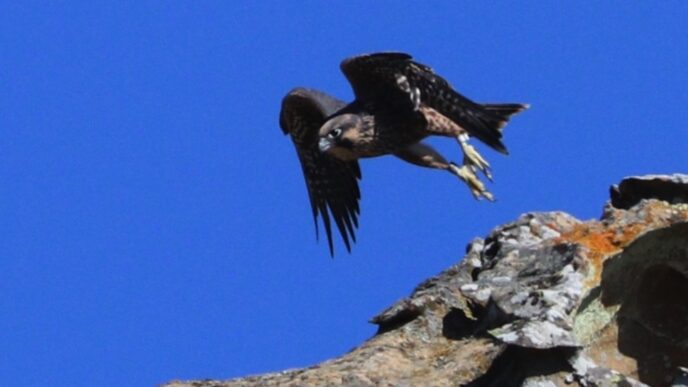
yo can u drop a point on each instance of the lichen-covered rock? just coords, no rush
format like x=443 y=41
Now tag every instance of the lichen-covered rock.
x=546 y=300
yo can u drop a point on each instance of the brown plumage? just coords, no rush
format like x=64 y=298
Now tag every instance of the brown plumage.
x=398 y=103
x=332 y=183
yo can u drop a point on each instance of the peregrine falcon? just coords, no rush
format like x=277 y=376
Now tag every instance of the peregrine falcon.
x=398 y=103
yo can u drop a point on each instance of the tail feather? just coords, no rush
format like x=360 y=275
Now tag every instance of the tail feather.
x=504 y=111
x=491 y=121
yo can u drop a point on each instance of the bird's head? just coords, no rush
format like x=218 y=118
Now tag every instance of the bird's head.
x=339 y=136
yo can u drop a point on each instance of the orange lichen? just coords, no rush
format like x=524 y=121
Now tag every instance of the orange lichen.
x=598 y=241
x=602 y=242
x=606 y=239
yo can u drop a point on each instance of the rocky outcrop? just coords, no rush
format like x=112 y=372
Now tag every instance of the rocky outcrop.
x=547 y=300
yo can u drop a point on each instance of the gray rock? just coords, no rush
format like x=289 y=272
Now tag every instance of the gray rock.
x=546 y=300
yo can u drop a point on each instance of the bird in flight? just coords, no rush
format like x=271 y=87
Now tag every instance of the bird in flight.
x=398 y=103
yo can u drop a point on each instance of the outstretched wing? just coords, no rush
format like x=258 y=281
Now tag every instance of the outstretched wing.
x=380 y=80
x=384 y=76
x=332 y=183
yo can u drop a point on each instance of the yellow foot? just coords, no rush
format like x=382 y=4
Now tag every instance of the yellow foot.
x=467 y=174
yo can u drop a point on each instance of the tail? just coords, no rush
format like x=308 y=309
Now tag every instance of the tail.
x=493 y=118
x=504 y=111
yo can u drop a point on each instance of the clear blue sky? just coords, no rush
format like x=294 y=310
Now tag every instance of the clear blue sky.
x=154 y=223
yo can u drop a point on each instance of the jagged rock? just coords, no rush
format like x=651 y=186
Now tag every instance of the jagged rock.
x=672 y=189
x=546 y=300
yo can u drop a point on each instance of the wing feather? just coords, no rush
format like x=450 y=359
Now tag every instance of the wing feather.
x=374 y=77
x=375 y=80
x=332 y=183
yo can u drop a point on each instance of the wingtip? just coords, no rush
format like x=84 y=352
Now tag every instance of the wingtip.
x=331 y=246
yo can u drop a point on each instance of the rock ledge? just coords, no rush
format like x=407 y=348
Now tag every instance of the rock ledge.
x=547 y=300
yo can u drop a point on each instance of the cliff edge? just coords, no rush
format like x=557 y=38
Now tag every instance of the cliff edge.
x=547 y=300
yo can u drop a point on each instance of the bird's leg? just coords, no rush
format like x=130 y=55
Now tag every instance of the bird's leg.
x=472 y=158
x=425 y=156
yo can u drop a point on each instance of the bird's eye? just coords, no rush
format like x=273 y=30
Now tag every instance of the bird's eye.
x=335 y=132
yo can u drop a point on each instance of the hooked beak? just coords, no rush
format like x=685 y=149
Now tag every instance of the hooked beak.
x=324 y=144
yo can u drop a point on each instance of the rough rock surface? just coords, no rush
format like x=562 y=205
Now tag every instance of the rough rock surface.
x=546 y=300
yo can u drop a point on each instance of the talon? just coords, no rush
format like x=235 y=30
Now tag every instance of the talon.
x=468 y=176
x=472 y=158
